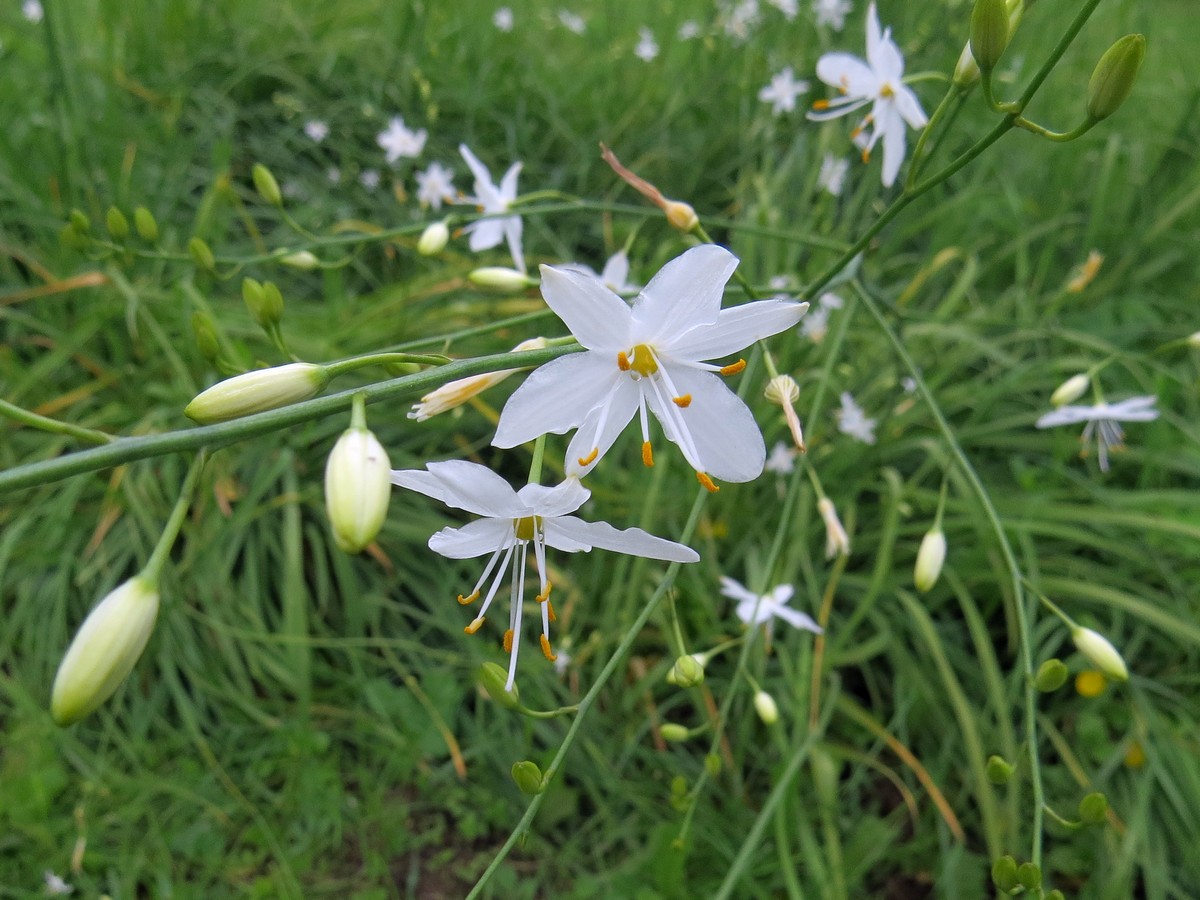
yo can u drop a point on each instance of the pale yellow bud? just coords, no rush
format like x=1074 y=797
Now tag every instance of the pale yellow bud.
x=1193 y=340
x=104 y=650
x=1100 y=653
x=930 y=558
x=764 y=705
x=358 y=486
x=302 y=260
x=783 y=390
x=681 y=215
x=433 y=239
x=674 y=732
x=837 y=542
x=455 y=393
x=500 y=279
x=256 y=392
x=1070 y=390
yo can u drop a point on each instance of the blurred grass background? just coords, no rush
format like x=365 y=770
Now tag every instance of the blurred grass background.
x=305 y=724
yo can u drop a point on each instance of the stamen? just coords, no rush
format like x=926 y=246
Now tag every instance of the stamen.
x=590 y=458
x=474 y=626
x=544 y=596
x=866 y=154
x=856 y=132
x=821 y=104
x=707 y=482
x=686 y=400
x=731 y=369
x=508 y=639
x=623 y=361
x=550 y=611
x=647 y=454
x=469 y=599
x=546 y=651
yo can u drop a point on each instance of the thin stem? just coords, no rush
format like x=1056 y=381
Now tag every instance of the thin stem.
x=1057 y=53
x=535 y=466
x=25 y=417
x=381 y=359
x=985 y=80
x=914 y=167
x=1059 y=136
x=358 y=412
x=167 y=540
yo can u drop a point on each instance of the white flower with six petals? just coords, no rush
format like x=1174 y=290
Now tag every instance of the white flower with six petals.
x=782 y=92
x=852 y=420
x=397 y=140
x=435 y=185
x=1102 y=419
x=488 y=233
x=831 y=13
x=763 y=609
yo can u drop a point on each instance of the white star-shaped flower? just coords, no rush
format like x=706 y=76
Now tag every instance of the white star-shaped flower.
x=689 y=30
x=399 y=141
x=853 y=422
x=435 y=185
x=572 y=21
x=878 y=81
x=782 y=92
x=831 y=13
x=317 y=130
x=789 y=8
x=816 y=323
x=650 y=358
x=832 y=177
x=647 y=47
x=763 y=609
x=1102 y=419
x=488 y=233
x=782 y=460
x=33 y=12
x=503 y=19
x=512 y=521
x=615 y=275
x=369 y=178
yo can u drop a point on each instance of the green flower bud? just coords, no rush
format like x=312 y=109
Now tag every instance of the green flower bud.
x=687 y=672
x=1004 y=873
x=302 y=260
x=679 y=793
x=999 y=770
x=674 y=732
x=712 y=764
x=72 y=239
x=1100 y=653
x=989 y=32
x=272 y=305
x=492 y=679
x=144 y=224
x=528 y=777
x=765 y=706
x=1112 y=81
x=256 y=392
x=116 y=223
x=434 y=239
x=104 y=650
x=966 y=71
x=500 y=279
x=266 y=185
x=826 y=774
x=358 y=486
x=1051 y=675
x=1093 y=809
x=80 y=222
x=930 y=558
x=206 y=336
x=252 y=293
x=1070 y=390
x=201 y=254
x=1030 y=876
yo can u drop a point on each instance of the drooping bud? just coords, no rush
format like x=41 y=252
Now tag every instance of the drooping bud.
x=765 y=706
x=257 y=391
x=1093 y=809
x=998 y=769
x=1004 y=873
x=492 y=678
x=433 y=239
x=145 y=225
x=1100 y=653
x=1112 y=81
x=455 y=393
x=302 y=260
x=528 y=777
x=836 y=540
x=500 y=279
x=989 y=32
x=358 y=486
x=116 y=223
x=1051 y=675
x=674 y=732
x=930 y=557
x=1029 y=876
x=206 y=336
x=688 y=671
x=266 y=185
x=201 y=254
x=783 y=391
x=1070 y=390
x=104 y=650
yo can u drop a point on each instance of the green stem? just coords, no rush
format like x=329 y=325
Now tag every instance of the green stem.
x=358 y=412
x=1003 y=107
x=914 y=167
x=1057 y=53
x=535 y=466
x=32 y=419
x=381 y=359
x=547 y=713
x=162 y=549
x=1059 y=136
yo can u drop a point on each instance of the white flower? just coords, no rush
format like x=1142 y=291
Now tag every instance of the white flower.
x=831 y=13
x=572 y=21
x=782 y=459
x=512 y=520
x=908 y=383
x=32 y=10
x=316 y=130
x=333 y=174
x=615 y=275
x=487 y=233
x=435 y=185
x=879 y=81
x=647 y=47
x=740 y=18
x=689 y=30
x=398 y=141
x=503 y=19
x=763 y=609
x=782 y=92
x=851 y=420
x=1102 y=419
x=369 y=178
x=650 y=357
x=816 y=323
x=832 y=177
x=789 y=8
x=55 y=885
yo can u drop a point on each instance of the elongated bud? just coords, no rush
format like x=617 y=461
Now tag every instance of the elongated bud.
x=302 y=260
x=674 y=732
x=358 y=486
x=765 y=706
x=434 y=239
x=687 y=672
x=1112 y=81
x=492 y=678
x=145 y=225
x=1070 y=390
x=80 y=222
x=989 y=32
x=998 y=769
x=500 y=279
x=1004 y=873
x=455 y=393
x=272 y=305
x=1093 y=809
x=1051 y=675
x=266 y=185
x=252 y=293
x=256 y=392
x=1100 y=653
x=116 y=223
x=1029 y=876
x=201 y=254
x=528 y=777
x=783 y=390
x=104 y=650
x=206 y=336
x=837 y=542
x=930 y=557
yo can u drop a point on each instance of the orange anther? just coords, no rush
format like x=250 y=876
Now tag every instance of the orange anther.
x=550 y=612
x=546 y=651
x=465 y=601
x=866 y=156
x=647 y=453
x=508 y=639
x=821 y=104
x=542 y=598
x=707 y=482
x=686 y=400
x=622 y=361
x=733 y=368
x=474 y=626
x=590 y=458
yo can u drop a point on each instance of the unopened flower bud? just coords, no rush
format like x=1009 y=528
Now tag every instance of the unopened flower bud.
x=104 y=650
x=687 y=672
x=930 y=557
x=201 y=254
x=80 y=222
x=145 y=225
x=302 y=260
x=528 y=777
x=837 y=542
x=1051 y=675
x=500 y=279
x=206 y=336
x=1070 y=390
x=681 y=215
x=433 y=239
x=1100 y=653
x=989 y=32
x=72 y=239
x=966 y=72
x=257 y=391
x=492 y=678
x=1004 y=873
x=783 y=390
x=712 y=764
x=272 y=305
x=1093 y=809
x=1029 y=876
x=674 y=732
x=358 y=486
x=998 y=769
x=765 y=706
x=1112 y=81
x=455 y=393
x=1056 y=895
x=266 y=185
x=1193 y=340
x=826 y=775
x=116 y=223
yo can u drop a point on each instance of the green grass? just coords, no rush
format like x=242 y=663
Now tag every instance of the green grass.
x=306 y=724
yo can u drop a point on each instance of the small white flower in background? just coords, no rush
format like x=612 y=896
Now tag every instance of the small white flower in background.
x=837 y=542
x=832 y=177
x=512 y=520
x=740 y=17
x=689 y=30
x=647 y=47
x=816 y=323
x=572 y=21
x=316 y=130
x=789 y=8
x=908 y=383
x=780 y=282
x=435 y=185
x=853 y=422
x=831 y=13
x=399 y=141
x=32 y=10
x=369 y=178
x=763 y=609
x=782 y=92
x=488 y=233
x=650 y=358
x=455 y=393
x=782 y=460
x=878 y=81
x=1102 y=419
x=562 y=662
x=503 y=19
x=333 y=175
x=55 y=885
x=615 y=275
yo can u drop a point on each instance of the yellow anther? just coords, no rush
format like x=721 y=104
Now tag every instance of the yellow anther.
x=550 y=612
x=546 y=651
x=856 y=132
x=590 y=458
x=474 y=626
x=644 y=362
x=866 y=155
x=733 y=368
x=466 y=601
x=622 y=361
x=821 y=104
x=686 y=400
x=508 y=639
x=542 y=598
x=647 y=454
x=707 y=482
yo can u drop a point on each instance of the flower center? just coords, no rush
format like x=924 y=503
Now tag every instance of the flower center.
x=527 y=526
x=643 y=361
x=886 y=91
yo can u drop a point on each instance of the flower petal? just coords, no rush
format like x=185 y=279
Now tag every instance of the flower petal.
x=632 y=541
x=556 y=397
x=1135 y=409
x=559 y=500
x=598 y=318
x=485 y=234
x=484 y=187
x=512 y=228
x=463 y=485
x=1066 y=415
x=686 y=292
x=616 y=270
x=894 y=143
x=508 y=184
x=735 y=590
x=736 y=328
x=782 y=593
x=797 y=619
x=473 y=539
x=621 y=404
x=910 y=107
x=848 y=74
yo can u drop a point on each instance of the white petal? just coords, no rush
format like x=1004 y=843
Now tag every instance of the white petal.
x=753 y=611
x=557 y=397
x=485 y=234
x=910 y=107
x=473 y=539
x=1066 y=415
x=462 y=484
x=632 y=541
x=797 y=619
x=847 y=73
x=512 y=233
x=598 y=318
x=736 y=328
x=508 y=184
x=616 y=270
x=887 y=60
x=622 y=404
x=1135 y=409
x=737 y=591
x=483 y=178
x=554 y=501
x=894 y=144
x=686 y=292
x=782 y=594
